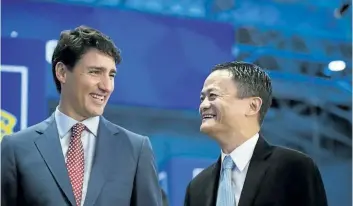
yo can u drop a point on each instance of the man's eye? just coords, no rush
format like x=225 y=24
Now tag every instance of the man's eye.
x=94 y=72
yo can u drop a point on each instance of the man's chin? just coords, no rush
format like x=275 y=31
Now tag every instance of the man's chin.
x=206 y=128
x=93 y=112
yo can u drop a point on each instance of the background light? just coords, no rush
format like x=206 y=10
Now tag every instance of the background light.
x=337 y=65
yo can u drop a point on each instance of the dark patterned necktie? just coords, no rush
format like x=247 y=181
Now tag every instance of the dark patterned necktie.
x=75 y=161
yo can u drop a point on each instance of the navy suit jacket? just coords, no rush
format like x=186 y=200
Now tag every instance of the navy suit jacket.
x=33 y=170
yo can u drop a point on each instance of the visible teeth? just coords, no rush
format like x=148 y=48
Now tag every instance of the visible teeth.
x=208 y=116
x=96 y=96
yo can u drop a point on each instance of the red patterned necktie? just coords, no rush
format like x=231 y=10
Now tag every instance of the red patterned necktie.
x=75 y=161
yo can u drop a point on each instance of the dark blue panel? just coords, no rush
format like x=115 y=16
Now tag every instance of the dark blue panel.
x=165 y=60
x=10 y=101
x=178 y=173
x=23 y=77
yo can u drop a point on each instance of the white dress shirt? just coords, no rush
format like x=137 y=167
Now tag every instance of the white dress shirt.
x=64 y=124
x=241 y=157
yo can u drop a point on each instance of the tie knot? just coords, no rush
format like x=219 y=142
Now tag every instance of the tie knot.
x=77 y=129
x=228 y=162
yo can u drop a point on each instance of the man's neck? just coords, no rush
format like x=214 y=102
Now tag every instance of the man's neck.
x=65 y=109
x=233 y=140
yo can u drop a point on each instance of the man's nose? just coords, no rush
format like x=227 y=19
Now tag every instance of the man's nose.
x=106 y=84
x=205 y=104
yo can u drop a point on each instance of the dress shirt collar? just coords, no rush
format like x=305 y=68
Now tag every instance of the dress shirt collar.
x=65 y=123
x=242 y=154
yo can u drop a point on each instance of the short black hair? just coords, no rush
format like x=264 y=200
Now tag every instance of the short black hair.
x=251 y=81
x=75 y=43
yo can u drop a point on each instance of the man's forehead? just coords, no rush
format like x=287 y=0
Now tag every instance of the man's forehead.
x=95 y=58
x=218 y=81
x=218 y=78
x=209 y=89
x=220 y=73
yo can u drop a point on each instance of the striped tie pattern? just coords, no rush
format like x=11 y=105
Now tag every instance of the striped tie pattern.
x=225 y=195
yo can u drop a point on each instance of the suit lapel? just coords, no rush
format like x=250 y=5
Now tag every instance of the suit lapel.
x=211 y=185
x=48 y=144
x=256 y=171
x=104 y=153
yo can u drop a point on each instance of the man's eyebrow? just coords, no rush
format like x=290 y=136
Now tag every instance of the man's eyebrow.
x=207 y=91
x=95 y=67
x=113 y=70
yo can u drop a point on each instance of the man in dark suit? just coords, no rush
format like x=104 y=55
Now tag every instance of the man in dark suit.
x=249 y=172
x=76 y=157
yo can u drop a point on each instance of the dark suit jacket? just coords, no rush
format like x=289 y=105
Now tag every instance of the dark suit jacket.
x=33 y=170
x=164 y=198
x=276 y=177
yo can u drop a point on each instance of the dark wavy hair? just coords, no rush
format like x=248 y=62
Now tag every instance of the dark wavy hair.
x=73 y=44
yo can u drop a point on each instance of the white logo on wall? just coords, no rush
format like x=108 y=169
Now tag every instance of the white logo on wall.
x=163 y=181
x=196 y=171
x=162 y=176
x=23 y=72
x=49 y=49
x=8 y=120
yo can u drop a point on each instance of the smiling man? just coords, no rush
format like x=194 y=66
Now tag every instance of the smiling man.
x=249 y=172
x=76 y=157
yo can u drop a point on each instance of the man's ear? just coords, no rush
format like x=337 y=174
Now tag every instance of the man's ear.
x=255 y=104
x=60 y=72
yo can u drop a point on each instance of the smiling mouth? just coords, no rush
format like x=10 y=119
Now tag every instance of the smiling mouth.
x=208 y=116
x=98 y=97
